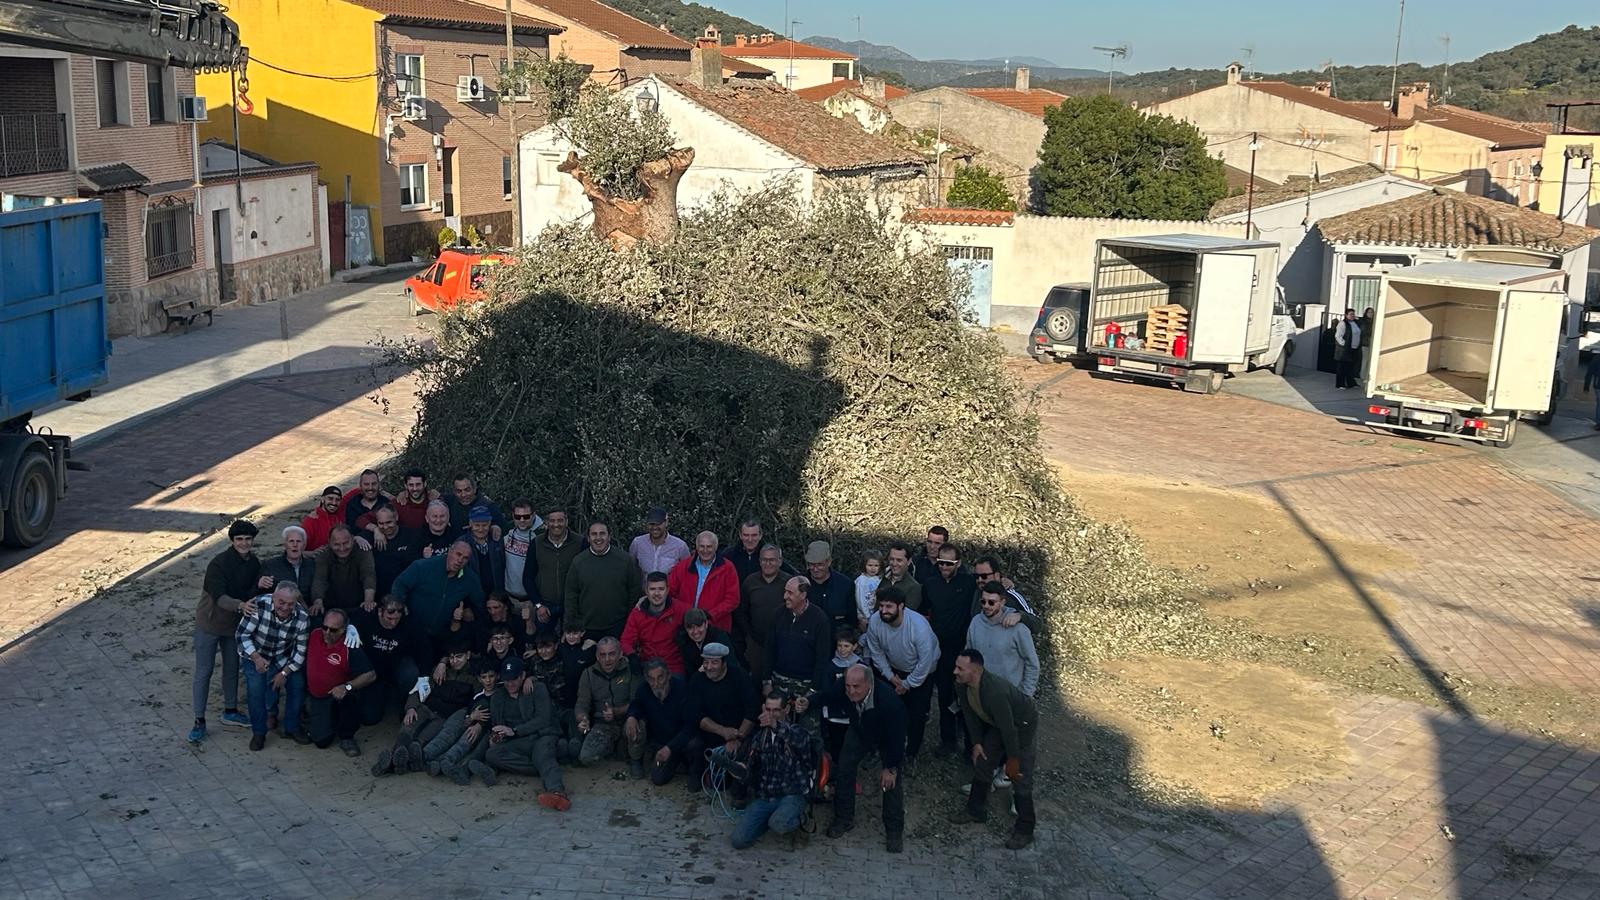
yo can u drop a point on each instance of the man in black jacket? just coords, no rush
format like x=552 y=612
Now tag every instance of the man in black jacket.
x=877 y=725
x=947 y=602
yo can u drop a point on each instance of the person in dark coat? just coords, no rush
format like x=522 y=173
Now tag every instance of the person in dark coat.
x=877 y=725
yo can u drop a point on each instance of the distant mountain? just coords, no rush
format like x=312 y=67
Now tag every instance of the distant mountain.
x=917 y=73
x=1036 y=62
x=861 y=49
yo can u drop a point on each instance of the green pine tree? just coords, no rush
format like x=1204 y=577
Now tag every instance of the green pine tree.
x=975 y=187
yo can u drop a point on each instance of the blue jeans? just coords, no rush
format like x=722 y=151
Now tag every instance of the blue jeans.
x=781 y=815
x=263 y=697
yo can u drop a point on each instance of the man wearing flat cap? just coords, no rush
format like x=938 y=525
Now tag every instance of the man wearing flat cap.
x=233 y=578
x=722 y=709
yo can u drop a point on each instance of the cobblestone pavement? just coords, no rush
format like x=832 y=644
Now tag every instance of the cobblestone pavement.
x=105 y=798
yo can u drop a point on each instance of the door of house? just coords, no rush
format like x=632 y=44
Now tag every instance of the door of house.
x=978 y=265
x=449 y=181
x=336 y=248
x=220 y=232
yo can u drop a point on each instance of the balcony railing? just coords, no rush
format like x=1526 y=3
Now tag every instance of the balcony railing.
x=30 y=144
x=156 y=266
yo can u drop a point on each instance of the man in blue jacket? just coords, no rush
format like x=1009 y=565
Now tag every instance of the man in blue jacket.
x=437 y=589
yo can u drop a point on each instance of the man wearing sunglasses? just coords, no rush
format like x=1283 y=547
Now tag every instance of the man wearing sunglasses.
x=947 y=602
x=521 y=565
x=335 y=676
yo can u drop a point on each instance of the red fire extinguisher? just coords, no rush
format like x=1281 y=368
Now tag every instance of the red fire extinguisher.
x=1180 y=346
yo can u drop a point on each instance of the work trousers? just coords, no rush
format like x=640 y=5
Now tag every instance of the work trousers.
x=854 y=753
x=335 y=719
x=386 y=694
x=602 y=741
x=530 y=755
x=918 y=701
x=206 y=648
x=1021 y=786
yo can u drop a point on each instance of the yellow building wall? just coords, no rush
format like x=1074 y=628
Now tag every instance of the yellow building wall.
x=297 y=118
x=1429 y=151
x=1554 y=164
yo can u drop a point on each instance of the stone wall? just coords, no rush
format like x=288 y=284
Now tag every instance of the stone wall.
x=400 y=242
x=275 y=277
x=138 y=310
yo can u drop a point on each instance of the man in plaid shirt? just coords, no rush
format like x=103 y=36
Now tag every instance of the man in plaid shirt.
x=272 y=644
x=783 y=761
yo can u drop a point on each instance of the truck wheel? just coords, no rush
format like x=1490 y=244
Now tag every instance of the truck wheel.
x=1215 y=385
x=33 y=501
x=1281 y=364
x=1511 y=436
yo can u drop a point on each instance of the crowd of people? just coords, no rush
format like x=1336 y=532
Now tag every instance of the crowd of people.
x=505 y=642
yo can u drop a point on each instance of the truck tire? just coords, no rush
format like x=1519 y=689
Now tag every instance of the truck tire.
x=1511 y=436
x=32 y=506
x=1215 y=385
x=1280 y=366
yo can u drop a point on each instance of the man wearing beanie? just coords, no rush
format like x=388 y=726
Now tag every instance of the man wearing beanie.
x=233 y=578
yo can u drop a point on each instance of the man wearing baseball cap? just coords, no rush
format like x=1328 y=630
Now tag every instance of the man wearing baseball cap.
x=488 y=554
x=323 y=518
x=657 y=550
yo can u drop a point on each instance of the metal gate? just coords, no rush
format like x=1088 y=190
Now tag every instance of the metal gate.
x=978 y=264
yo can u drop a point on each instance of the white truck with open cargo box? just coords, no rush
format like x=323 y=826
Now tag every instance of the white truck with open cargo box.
x=1187 y=309
x=1466 y=349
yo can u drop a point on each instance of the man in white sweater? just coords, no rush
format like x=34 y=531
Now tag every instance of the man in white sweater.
x=901 y=645
x=1007 y=652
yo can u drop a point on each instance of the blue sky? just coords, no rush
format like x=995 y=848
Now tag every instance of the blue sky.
x=1179 y=33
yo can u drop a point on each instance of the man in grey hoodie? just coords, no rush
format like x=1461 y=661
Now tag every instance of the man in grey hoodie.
x=1007 y=651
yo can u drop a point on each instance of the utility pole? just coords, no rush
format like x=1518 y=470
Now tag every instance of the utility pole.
x=511 y=135
x=1394 y=84
x=1250 y=190
x=1446 y=41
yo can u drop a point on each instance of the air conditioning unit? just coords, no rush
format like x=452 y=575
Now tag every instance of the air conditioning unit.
x=469 y=89
x=414 y=109
x=192 y=109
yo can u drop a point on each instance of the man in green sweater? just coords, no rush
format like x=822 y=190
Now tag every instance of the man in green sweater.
x=602 y=587
x=523 y=737
x=999 y=717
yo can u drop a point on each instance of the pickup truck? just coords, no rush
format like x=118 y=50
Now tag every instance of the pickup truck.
x=1466 y=350
x=1219 y=295
x=53 y=347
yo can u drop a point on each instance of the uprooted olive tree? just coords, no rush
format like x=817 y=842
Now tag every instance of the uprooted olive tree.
x=804 y=366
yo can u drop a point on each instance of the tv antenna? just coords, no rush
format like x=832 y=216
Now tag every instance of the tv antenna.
x=1120 y=51
x=1249 y=60
x=1327 y=66
x=1445 y=40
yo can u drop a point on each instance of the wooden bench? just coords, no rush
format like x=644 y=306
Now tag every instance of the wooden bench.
x=186 y=310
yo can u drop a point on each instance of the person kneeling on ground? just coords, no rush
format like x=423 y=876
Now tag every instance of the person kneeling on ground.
x=450 y=691
x=460 y=743
x=604 y=691
x=783 y=766
x=522 y=737
x=658 y=717
x=336 y=675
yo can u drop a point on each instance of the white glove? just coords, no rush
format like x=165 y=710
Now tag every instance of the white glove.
x=423 y=688
x=351 y=638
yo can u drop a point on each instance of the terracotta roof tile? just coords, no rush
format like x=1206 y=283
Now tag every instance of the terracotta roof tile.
x=1295 y=188
x=742 y=67
x=613 y=23
x=456 y=13
x=783 y=48
x=1502 y=133
x=821 y=92
x=797 y=126
x=951 y=216
x=1444 y=218
x=1374 y=114
x=1033 y=102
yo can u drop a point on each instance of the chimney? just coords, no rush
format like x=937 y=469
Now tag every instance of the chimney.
x=1412 y=98
x=1023 y=77
x=740 y=40
x=876 y=88
x=1235 y=69
x=705 y=67
x=712 y=34
x=1325 y=88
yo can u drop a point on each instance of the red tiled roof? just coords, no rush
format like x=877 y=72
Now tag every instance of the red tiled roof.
x=936 y=215
x=821 y=92
x=454 y=13
x=1033 y=102
x=742 y=67
x=783 y=48
x=797 y=126
x=1294 y=188
x=1445 y=218
x=1373 y=114
x=1502 y=133
x=613 y=23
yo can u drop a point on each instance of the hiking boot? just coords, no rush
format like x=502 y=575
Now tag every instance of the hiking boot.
x=257 y=741
x=435 y=768
x=555 y=800
x=384 y=765
x=197 y=733
x=419 y=760
x=400 y=758
x=300 y=737
x=964 y=816
x=350 y=747
x=482 y=770
x=1019 y=839
x=894 y=843
x=840 y=828
x=635 y=768
x=235 y=718
x=459 y=775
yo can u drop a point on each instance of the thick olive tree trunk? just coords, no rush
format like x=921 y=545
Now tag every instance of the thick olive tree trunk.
x=652 y=217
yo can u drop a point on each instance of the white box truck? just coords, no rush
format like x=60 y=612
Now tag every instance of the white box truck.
x=1466 y=349
x=1230 y=308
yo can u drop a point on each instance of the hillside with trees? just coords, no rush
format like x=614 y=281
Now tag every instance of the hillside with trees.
x=688 y=20
x=1516 y=82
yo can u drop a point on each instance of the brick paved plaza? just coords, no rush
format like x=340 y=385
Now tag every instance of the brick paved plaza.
x=105 y=799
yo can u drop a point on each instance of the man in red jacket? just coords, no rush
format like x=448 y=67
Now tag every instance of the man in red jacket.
x=706 y=581
x=329 y=512
x=653 y=624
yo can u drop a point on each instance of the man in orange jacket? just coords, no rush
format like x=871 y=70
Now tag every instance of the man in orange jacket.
x=706 y=581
